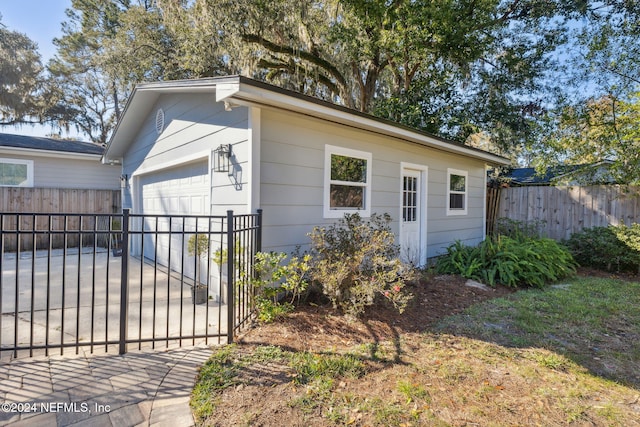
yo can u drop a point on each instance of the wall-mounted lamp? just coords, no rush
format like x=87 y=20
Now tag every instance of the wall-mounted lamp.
x=222 y=158
x=124 y=181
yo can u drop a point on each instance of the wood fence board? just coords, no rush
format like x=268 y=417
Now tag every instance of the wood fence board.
x=567 y=210
x=53 y=201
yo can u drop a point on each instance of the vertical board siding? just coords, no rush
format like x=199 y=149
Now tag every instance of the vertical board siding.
x=567 y=210
x=54 y=201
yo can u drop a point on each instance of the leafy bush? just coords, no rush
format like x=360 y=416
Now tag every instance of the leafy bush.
x=519 y=229
x=508 y=261
x=273 y=278
x=612 y=248
x=355 y=261
x=198 y=245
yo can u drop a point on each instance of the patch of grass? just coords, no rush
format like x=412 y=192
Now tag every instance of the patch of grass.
x=222 y=371
x=218 y=373
x=412 y=391
x=377 y=351
x=593 y=322
x=552 y=361
x=309 y=367
x=267 y=353
x=317 y=394
x=542 y=357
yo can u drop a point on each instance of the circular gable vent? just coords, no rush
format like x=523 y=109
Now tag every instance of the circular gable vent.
x=159 y=121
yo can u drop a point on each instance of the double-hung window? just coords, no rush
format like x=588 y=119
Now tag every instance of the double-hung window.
x=347 y=182
x=16 y=173
x=457 y=184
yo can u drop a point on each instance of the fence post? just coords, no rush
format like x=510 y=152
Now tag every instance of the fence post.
x=230 y=278
x=124 y=282
x=259 y=232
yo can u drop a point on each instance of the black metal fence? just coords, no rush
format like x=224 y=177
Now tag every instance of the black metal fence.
x=123 y=281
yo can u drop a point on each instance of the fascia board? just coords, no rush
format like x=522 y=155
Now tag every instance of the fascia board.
x=252 y=95
x=135 y=111
x=225 y=90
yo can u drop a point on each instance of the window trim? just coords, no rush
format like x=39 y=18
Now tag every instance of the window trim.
x=28 y=163
x=329 y=150
x=465 y=193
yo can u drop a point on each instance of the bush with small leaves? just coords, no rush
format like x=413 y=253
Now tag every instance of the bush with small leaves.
x=612 y=248
x=357 y=261
x=274 y=278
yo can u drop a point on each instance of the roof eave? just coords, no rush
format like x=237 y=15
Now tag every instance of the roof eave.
x=49 y=153
x=248 y=92
x=252 y=92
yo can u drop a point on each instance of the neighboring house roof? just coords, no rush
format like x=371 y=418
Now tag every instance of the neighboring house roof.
x=243 y=91
x=49 y=145
x=562 y=174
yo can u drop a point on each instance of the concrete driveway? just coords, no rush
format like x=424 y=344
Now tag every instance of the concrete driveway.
x=76 y=300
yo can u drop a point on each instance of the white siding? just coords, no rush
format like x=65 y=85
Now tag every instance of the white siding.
x=292 y=181
x=195 y=125
x=81 y=173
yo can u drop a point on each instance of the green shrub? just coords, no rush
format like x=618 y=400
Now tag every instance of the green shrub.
x=508 y=261
x=612 y=248
x=356 y=261
x=273 y=278
x=519 y=229
x=198 y=245
x=268 y=311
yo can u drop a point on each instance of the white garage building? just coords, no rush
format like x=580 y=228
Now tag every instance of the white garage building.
x=284 y=148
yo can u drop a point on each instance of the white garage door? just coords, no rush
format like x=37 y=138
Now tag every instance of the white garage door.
x=178 y=191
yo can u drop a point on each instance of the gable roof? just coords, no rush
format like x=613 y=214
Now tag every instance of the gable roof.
x=243 y=91
x=51 y=145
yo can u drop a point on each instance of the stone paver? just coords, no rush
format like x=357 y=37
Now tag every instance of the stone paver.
x=144 y=388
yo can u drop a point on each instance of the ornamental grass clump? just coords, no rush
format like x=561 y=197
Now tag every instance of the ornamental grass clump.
x=356 y=262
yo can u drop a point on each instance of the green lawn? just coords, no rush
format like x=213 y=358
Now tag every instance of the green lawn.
x=565 y=355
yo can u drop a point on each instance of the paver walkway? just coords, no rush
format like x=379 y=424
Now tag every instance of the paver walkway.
x=143 y=388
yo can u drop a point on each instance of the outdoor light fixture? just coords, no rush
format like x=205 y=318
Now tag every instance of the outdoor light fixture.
x=124 y=181
x=222 y=158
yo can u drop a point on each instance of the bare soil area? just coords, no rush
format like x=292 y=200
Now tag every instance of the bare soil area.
x=318 y=328
x=414 y=375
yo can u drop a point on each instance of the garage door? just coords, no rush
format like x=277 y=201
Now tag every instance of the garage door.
x=178 y=191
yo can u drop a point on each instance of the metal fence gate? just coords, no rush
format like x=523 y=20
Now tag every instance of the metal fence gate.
x=114 y=282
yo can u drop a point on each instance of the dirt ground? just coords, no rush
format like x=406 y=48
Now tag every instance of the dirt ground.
x=264 y=397
x=317 y=328
x=447 y=381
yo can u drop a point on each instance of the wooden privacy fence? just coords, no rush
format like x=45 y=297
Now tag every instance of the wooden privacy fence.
x=567 y=209
x=53 y=201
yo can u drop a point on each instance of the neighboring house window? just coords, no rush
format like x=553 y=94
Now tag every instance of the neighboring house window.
x=16 y=173
x=347 y=182
x=457 y=184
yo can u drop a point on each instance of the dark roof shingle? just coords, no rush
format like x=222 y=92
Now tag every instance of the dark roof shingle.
x=49 y=144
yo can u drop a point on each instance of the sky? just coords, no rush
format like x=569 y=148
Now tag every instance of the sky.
x=41 y=21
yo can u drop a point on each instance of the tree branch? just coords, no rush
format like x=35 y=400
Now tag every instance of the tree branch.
x=307 y=56
x=283 y=66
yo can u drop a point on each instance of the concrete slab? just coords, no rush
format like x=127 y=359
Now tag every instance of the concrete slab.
x=74 y=301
